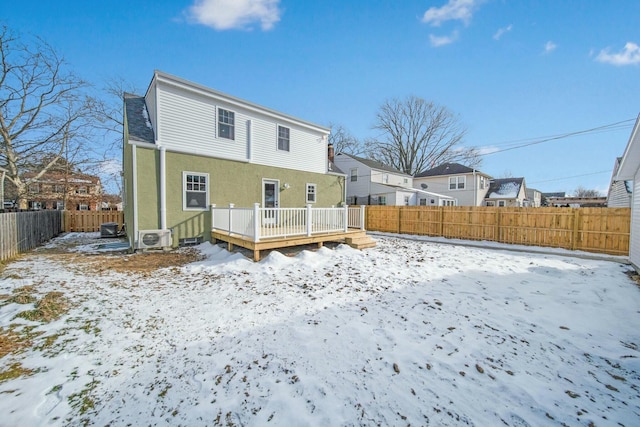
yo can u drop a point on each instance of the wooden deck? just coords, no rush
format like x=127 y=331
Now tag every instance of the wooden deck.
x=355 y=238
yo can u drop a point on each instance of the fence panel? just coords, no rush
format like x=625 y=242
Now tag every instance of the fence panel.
x=22 y=231
x=604 y=230
x=90 y=221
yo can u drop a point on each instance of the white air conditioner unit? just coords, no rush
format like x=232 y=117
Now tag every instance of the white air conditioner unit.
x=154 y=239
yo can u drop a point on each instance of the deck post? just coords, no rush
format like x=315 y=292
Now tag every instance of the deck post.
x=309 y=220
x=256 y=225
x=213 y=207
x=346 y=218
x=362 y=217
x=231 y=205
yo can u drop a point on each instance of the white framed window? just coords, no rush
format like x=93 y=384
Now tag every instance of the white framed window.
x=490 y=203
x=406 y=200
x=385 y=178
x=406 y=180
x=83 y=207
x=354 y=175
x=283 y=138
x=226 y=124
x=382 y=200
x=81 y=190
x=482 y=182
x=423 y=202
x=311 y=193
x=195 y=189
x=457 y=182
x=448 y=202
x=501 y=203
x=59 y=205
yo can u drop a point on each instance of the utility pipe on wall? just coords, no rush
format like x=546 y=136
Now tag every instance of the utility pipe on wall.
x=163 y=188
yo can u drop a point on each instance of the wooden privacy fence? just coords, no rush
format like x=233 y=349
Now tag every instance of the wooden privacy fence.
x=602 y=230
x=22 y=231
x=90 y=221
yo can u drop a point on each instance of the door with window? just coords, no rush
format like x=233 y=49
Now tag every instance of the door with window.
x=270 y=200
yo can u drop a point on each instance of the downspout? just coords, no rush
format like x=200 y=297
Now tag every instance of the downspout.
x=163 y=188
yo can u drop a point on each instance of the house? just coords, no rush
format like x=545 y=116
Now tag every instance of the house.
x=61 y=191
x=534 y=198
x=506 y=192
x=373 y=183
x=629 y=170
x=620 y=191
x=467 y=186
x=546 y=197
x=188 y=147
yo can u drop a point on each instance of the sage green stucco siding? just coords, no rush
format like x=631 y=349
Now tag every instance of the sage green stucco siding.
x=229 y=182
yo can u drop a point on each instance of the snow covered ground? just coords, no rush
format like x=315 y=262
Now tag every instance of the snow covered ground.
x=408 y=333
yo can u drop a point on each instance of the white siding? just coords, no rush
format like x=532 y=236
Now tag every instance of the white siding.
x=618 y=196
x=188 y=122
x=150 y=100
x=470 y=196
x=361 y=187
x=634 y=248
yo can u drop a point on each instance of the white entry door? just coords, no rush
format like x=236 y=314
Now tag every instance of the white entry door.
x=270 y=200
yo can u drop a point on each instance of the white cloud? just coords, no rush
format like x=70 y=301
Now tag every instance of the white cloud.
x=235 y=14
x=454 y=10
x=629 y=55
x=437 y=41
x=550 y=47
x=487 y=149
x=501 y=32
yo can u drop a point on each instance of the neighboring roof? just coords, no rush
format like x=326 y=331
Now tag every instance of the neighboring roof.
x=557 y=194
x=390 y=187
x=631 y=157
x=505 y=188
x=138 y=124
x=448 y=169
x=373 y=164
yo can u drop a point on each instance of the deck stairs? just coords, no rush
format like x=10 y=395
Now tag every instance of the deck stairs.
x=360 y=241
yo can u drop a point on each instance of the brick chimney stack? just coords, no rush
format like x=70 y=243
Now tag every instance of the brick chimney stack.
x=331 y=154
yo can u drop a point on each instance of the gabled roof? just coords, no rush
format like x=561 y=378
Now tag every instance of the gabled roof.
x=505 y=188
x=556 y=194
x=448 y=169
x=138 y=123
x=631 y=158
x=373 y=164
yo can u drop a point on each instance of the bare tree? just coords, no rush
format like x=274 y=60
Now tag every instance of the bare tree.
x=43 y=111
x=343 y=141
x=418 y=135
x=583 y=192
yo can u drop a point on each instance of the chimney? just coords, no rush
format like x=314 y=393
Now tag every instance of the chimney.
x=331 y=157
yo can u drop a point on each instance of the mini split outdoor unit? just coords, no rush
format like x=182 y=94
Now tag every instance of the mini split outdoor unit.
x=154 y=239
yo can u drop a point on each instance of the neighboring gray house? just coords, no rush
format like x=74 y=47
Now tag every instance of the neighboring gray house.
x=372 y=183
x=534 y=198
x=629 y=170
x=506 y=192
x=467 y=185
x=620 y=191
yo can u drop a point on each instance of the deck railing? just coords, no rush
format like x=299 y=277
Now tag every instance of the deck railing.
x=260 y=223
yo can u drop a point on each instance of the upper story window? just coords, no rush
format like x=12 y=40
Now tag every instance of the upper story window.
x=406 y=180
x=382 y=200
x=354 y=175
x=81 y=190
x=385 y=178
x=226 y=124
x=195 y=191
x=311 y=193
x=283 y=138
x=457 y=182
x=482 y=182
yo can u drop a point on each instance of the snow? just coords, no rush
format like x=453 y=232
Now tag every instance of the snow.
x=508 y=190
x=410 y=332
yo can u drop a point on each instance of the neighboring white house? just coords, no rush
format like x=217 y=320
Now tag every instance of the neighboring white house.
x=629 y=170
x=372 y=183
x=506 y=192
x=534 y=198
x=620 y=191
x=466 y=185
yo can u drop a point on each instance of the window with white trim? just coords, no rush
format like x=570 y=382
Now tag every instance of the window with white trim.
x=59 y=205
x=195 y=191
x=406 y=200
x=354 y=175
x=448 y=202
x=382 y=200
x=83 y=207
x=490 y=203
x=385 y=178
x=501 y=203
x=482 y=182
x=311 y=193
x=423 y=202
x=81 y=190
x=457 y=182
x=283 y=138
x=226 y=124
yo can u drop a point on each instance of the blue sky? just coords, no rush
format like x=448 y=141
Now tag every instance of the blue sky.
x=514 y=71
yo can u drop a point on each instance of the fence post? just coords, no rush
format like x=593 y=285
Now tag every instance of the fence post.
x=575 y=235
x=441 y=221
x=346 y=218
x=362 y=216
x=498 y=225
x=256 y=222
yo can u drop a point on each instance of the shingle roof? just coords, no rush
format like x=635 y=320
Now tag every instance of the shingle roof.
x=504 y=188
x=373 y=164
x=446 y=169
x=138 y=123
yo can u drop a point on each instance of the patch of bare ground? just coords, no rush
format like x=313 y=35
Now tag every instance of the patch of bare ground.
x=633 y=275
x=138 y=262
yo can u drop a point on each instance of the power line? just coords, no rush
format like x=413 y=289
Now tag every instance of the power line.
x=604 y=128
x=569 y=177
